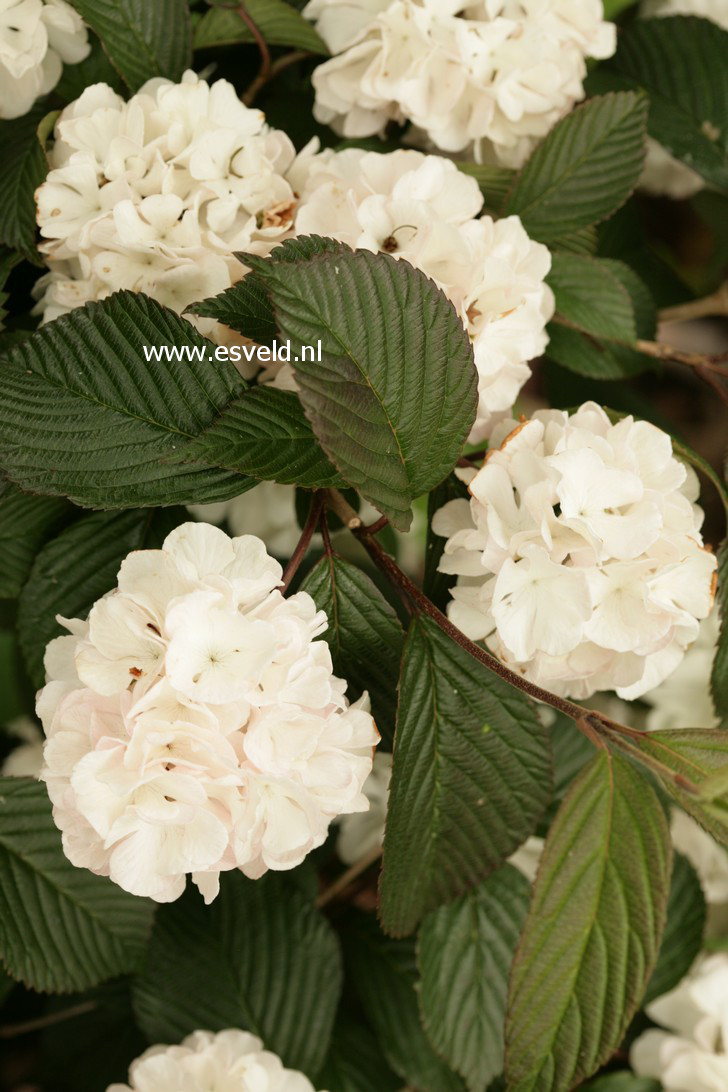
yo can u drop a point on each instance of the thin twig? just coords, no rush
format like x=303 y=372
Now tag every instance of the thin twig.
x=711 y=306
x=379 y=525
x=347 y=878
x=11 y=1031
x=314 y=514
x=661 y=351
x=276 y=68
x=264 y=72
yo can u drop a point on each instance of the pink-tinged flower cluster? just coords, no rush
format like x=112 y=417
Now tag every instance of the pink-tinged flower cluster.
x=579 y=555
x=194 y=724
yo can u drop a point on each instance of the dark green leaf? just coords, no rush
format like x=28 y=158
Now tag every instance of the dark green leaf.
x=245 y=307
x=436 y=585
x=142 y=39
x=276 y=20
x=585 y=168
x=84 y=415
x=590 y=296
x=680 y=62
x=22 y=169
x=355 y=1062
x=25 y=524
x=79 y=566
x=472 y=777
x=393 y=397
x=593 y=930
x=61 y=927
x=261 y=957
x=622 y=1082
x=384 y=972
x=96 y=68
x=264 y=434
x=683 y=937
x=465 y=953
x=495 y=182
x=364 y=634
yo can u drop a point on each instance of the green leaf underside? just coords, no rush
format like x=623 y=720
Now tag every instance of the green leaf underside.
x=277 y=21
x=61 y=927
x=683 y=936
x=22 y=169
x=593 y=930
x=391 y=401
x=25 y=523
x=142 y=38
x=264 y=434
x=364 y=635
x=84 y=415
x=472 y=777
x=584 y=170
x=384 y=974
x=245 y=307
x=273 y=961
x=464 y=954
x=78 y=567
x=680 y=61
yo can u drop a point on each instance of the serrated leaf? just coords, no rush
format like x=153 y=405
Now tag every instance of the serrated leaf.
x=593 y=929
x=592 y=356
x=84 y=415
x=61 y=927
x=364 y=634
x=271 y=958
x=384 y=974
x=683 y=936
x=680 y=61
x=95 y=68
x=436 y=585
x=246 y=307
x=25 y=524
x=264 y=434
x=276 y=20
x=583 y=241
x=585 y=168
x=22 y=170
x=355 y=1062
x=471 y=778
x=464 y=955
x=590 y=296
x=142 y=39
x=79 y=566
x=393 y=396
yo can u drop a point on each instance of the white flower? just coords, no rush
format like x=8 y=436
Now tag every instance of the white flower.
x=708 y=858
x=25 y=760
x=579 y=554
x=490 y=77
x=691 y=1056
x=527 y=857
x=663 y=174
x=194 y=723
x=361 y=833
x=422 y=209
x=229 y=1060
x=684 y=700
x=155 y=194
x=37 y=37
x=268 y=510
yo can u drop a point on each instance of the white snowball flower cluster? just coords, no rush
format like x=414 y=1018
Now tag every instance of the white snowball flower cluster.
x=663 y=174
x=684 y=700
x=194 y=724
x=579 y=554
x=490 y=77
x=267 y=510
x=156 y=193
x=423 y=209
x=37 y=37
x=204 y=1062
x=693 y=1055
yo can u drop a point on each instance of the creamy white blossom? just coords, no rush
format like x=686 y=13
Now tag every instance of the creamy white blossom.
x=664 y=175
x=155 y=194
x=684 y=700
x=229 y=1061
x=267 y=510
x=490 y=77
x=691 y=1055
x=194 y=724
x=579 y=554
x=422 y=209
x=37 y=37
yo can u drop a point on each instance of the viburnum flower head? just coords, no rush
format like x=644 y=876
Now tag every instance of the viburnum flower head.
x=155 y=194
x=490 y=77
x=422 y=209
x=204 y=1062
x=579 y=556
x=37 y=37
x=194 y=724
